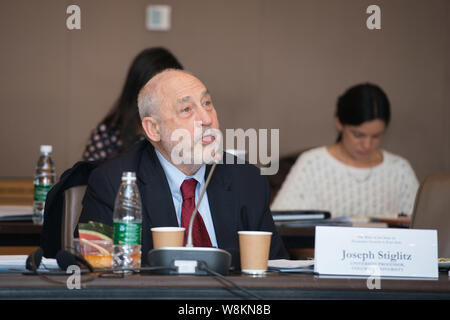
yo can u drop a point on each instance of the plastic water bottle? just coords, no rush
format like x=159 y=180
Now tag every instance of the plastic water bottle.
x=44 y=179
x=127 y=220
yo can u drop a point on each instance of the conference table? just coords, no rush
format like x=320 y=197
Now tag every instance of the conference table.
x=23 y=238
x=271 y=286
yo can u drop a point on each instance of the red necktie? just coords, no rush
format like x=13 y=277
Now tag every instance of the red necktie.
x=200 y=237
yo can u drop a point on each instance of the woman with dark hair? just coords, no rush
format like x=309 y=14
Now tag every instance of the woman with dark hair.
x=352 y=177
x=121 y=127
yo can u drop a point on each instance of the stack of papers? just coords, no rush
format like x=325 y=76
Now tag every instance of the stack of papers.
x=339 y=221
x=299 y=215
x=298 y=266
x=17 y=262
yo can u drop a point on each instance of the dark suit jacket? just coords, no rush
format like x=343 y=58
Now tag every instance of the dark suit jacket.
x=238 y=198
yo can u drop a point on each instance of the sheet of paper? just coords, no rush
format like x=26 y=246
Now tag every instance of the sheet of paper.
x=291 y=266
x=284 y=263
x=18 y=262
x=15 y=210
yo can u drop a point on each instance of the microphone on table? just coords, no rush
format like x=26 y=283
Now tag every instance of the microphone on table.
x=190 y=259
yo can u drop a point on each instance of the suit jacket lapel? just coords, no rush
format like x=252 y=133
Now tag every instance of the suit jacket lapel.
x=157 y=200
x=221 y=206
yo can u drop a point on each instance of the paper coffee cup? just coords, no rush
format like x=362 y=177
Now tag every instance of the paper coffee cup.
x=254 y=251
x=167 y=237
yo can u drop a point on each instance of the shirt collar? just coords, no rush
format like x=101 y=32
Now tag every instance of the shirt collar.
x=175 y=177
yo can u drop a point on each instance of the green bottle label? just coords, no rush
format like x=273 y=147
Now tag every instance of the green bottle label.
x=127 y=233
x=40 y=192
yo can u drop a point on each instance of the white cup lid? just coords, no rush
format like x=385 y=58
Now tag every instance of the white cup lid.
x=46 y=148
x=257 y=233
x=167 y=229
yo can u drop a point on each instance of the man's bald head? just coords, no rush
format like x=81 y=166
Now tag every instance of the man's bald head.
x=150 y=98
x=179 y=118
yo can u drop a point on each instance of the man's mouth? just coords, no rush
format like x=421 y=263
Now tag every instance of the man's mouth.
x=208 y=139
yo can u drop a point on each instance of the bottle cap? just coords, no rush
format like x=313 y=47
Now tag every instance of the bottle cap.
x=128 y=176
x=46 y=149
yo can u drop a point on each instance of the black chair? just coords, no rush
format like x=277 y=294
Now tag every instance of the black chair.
x=60 y=218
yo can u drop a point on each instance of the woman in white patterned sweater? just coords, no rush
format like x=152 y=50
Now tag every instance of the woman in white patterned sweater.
x=352 y=177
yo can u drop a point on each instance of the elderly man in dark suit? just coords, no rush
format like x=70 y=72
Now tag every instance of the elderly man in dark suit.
x=237 y=197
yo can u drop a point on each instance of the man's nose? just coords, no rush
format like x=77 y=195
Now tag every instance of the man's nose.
x=204 y=116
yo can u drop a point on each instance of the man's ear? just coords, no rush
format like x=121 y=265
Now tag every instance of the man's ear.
x=151 y=128
x=339 y=125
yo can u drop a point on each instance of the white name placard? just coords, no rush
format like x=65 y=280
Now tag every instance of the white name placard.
x=380 y=252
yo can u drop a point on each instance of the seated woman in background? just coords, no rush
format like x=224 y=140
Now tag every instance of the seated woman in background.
x=121 y=128
x=352 y=177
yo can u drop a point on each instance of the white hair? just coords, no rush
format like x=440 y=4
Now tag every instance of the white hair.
x=147 y=103
x=148 y=99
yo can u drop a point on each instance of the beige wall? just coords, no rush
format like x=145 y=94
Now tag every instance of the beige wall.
x=268 y=63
